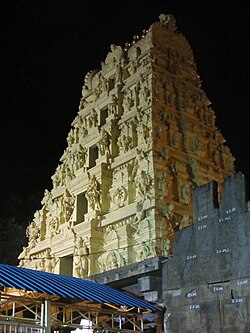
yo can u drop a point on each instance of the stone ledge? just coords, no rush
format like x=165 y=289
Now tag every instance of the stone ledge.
x=132 y=271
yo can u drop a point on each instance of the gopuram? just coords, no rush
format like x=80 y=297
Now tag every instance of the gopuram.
x=144 y=136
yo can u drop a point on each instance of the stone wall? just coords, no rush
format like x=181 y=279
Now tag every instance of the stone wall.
x=206 y=284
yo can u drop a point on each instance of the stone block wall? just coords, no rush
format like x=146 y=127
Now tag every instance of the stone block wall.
x=206 y=283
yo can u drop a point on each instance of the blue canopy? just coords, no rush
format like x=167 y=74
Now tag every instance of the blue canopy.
x=67 y=287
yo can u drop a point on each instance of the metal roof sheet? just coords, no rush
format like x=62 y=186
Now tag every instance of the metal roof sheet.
x=67 y=287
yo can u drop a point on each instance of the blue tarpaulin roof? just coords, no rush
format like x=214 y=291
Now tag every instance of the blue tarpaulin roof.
x=67 y=287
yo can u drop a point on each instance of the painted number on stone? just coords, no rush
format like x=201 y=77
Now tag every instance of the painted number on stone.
x=176 y=293
x=227 y=250
x=191 y=257
x=202 y=227
x=215 y=289
x=230 y=210
x=192 y=294
x=237 y=300
x=239 y=283
x=194 y=306
x=201 y=218
x=224 y=219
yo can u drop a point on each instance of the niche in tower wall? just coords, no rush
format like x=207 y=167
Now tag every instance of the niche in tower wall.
x=93 y=156
x=66 y=265
x=81 y=207
x=103 y=115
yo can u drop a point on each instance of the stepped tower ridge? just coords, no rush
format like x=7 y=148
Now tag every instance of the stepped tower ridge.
x=144 y=135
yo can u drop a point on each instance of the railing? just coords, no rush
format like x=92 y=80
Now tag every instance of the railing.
x=19 y=325
x=23 y=315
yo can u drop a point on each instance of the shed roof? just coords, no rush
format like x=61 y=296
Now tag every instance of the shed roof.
x=67 y=287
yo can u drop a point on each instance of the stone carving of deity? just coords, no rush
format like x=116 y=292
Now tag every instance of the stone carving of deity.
x=133 y=67
x=81 y=157
x=103 y=83
x=33 y=233
x=82 y=128
x=120 y=196
x=82 y=103
x=67 y=206
x=165 y=247
x=50 y=261
x=128 y=101
x=81 y=260
x=40 y=265
x=140 y=155
x=57 y=177
x=143 y=128
x=144 y=185
x=24 y=257
x=134 y=226
x=68 y=174
x=47 y=198
x=70 y=138
x=161 y=183
x=114 y=56
x=114 y=260
x=54 y=226
x=144 y=95
x=168 y=211
x=104 y=143
x=113 y=107
x=119 y=72
x=93 y=119
x=145 y=251
x=125 y=143
x=59 y=213
x=93 y=193
x=125 y=140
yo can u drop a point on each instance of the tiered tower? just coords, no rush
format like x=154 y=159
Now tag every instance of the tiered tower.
x=143 y=137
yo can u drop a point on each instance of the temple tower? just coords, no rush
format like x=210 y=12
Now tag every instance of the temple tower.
x=143 y=137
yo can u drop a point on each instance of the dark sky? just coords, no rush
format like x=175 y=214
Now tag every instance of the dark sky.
x=47 y=47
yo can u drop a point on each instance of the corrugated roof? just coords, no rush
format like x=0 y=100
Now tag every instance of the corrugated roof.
x=67 y=287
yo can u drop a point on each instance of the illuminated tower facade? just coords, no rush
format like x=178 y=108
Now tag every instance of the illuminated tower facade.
x=143 y=137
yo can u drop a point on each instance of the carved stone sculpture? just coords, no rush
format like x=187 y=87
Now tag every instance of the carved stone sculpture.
x=93 y=193
x=81 y=260
x=104 y=143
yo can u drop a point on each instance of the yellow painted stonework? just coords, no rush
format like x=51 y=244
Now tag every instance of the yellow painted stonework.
x=143 y=137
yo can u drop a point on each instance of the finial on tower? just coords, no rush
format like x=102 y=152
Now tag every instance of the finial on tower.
x=168 y=20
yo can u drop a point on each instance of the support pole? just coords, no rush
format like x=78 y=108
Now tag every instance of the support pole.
x=42 y=314
x=47 y=322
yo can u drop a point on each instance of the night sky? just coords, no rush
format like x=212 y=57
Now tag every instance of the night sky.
x=47 y=47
